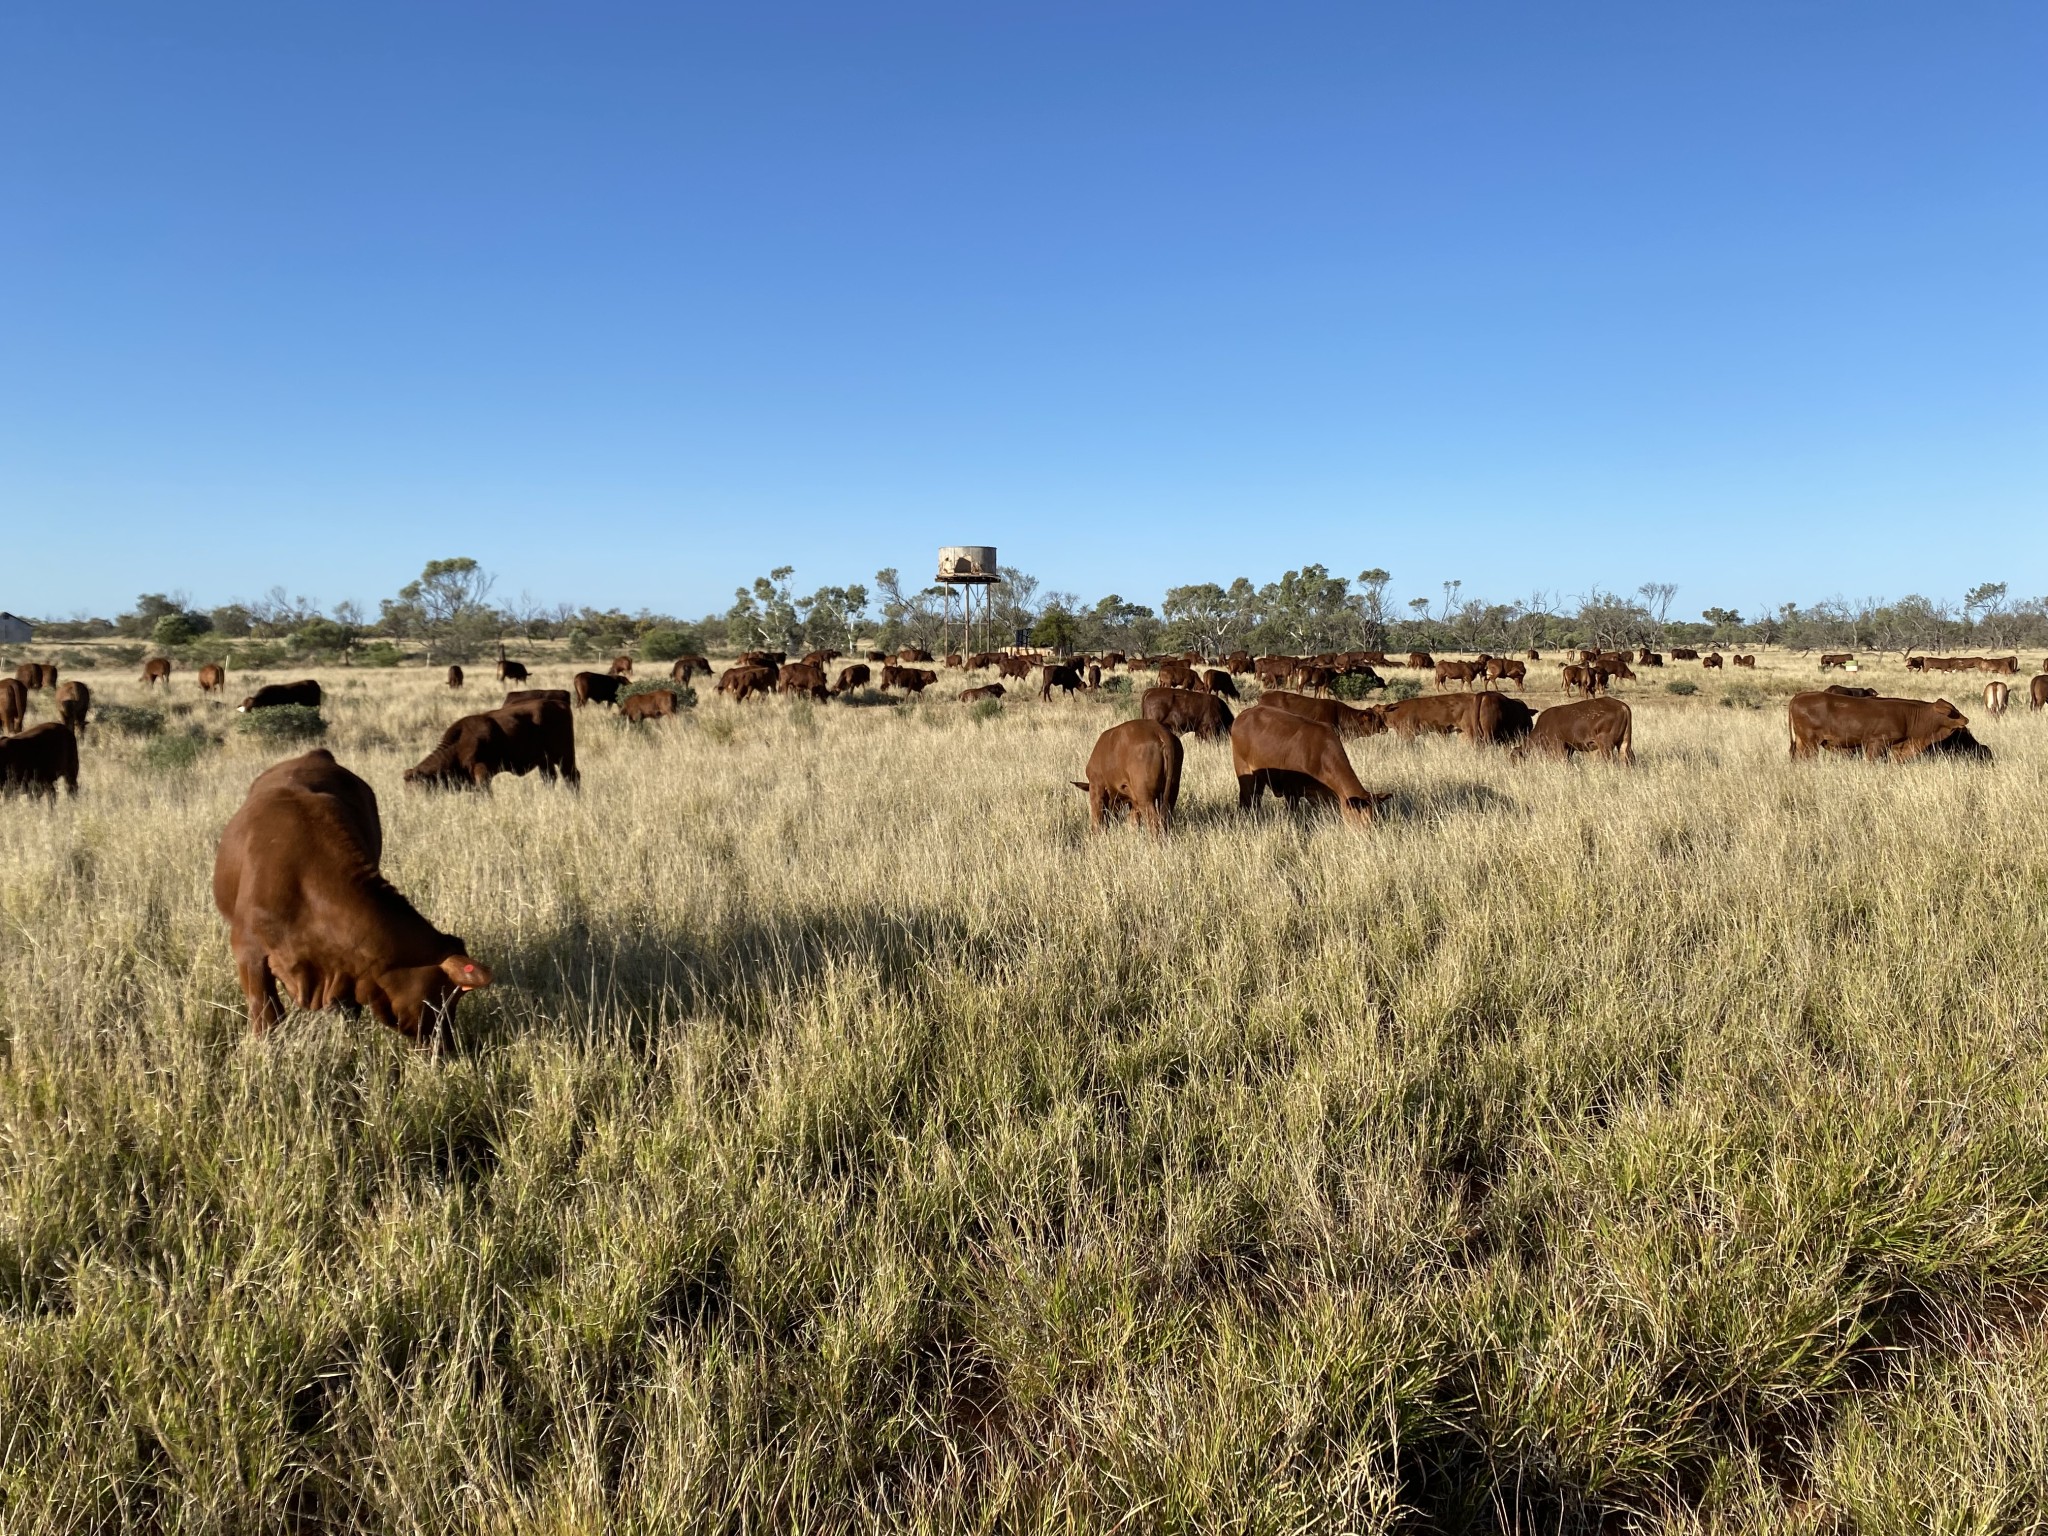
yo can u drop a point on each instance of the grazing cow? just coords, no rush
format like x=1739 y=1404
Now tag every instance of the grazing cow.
x=1607 y=670
x=761 y=659
x=1746 y=661
x=1499 y=721
x=1240 y=664
x=13 y=705
x=1646 y=657
x=1135 y=767
x=73 y=700
x=687 y=667
x=1220 y=682
x=1684 y=653
x=825 y=658
x=1176 y=674
x=157 y=670
x=1095 y=675
x=2004 y=666
x=35 y=761
x=1442 y=715
x=297 y=880
x=744 y=682
x=1343 y=718
x=1311 y=678
x=1576 y=678
x=1996 y=696
x=1274 y=671
x=2037 y=692
x=1842 y=690
x=909 y=679
x=803 y=677
x=1066 y=679
x=276 y=695
x=1916 y=663
x=651 y=705
x=1421 y=661
x=1016 y=668
x=911 y=653
x=511 y=671
x=604 y=687
x=1182 y=710
x=1896 y=728
x=853 y=675
x=46 y=675
x=1836 y=659
x=1297 y=759
x=213 y=677
x=1602 y=727
x=528 y=695
x=1534 y=654
x=1516 y=672
x=535 y=732
x=455 y=677
x=622 y=666
x=1711 y=661
x=977 y=695
x=875 y=656
x=29 y=675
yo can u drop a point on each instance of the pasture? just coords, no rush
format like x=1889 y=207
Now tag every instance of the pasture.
x=853 y=1141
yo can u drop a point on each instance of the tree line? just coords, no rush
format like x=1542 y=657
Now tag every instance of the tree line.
x=447 y=613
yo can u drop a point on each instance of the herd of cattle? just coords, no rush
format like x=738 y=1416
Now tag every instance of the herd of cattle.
x=297 y=876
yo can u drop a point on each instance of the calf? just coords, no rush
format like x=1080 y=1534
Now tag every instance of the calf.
x=651 y=705
x=1220 y=683
x=1135 y=767
x=1182 y=710
x=1575 y=677
x=1600 y=727
x=1297 y=759
x=511 y=671
x=977 y=695
x=604 y=687
x=852 y=676
x=213 y=677
x=455 y=677
x=305 y=692
x=1996 y=696
x=156 y=670
x=13 y=705
x=37 y=760
x=297 y=878
x=73 y=700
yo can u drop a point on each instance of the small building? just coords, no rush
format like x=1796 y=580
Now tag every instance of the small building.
x=15 y=630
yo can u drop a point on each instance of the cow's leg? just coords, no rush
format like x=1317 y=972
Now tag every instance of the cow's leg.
x=1247 y=791
x=259 y=986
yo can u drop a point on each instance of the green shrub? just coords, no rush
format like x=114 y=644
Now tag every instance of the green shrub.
x=130 y=719
x=258 y=655
x=1121 y=683
x=1356 y=688
x=283 y=723
x=174 y=754
x=986 y=709
x=381 y=653
x=580 y=648
x=668 y=644
x=1682 y=688
x=1403 y=688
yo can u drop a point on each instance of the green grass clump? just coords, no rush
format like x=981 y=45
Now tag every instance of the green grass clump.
x=987 y=709
x=129 y=719
x=1742 y=696
x=1356 y=688
x=1683 y=687
x=1403 y=688
x=283 y=724
x=179 y=752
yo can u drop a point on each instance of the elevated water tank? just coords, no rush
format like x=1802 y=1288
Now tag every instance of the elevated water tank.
x=968 y=564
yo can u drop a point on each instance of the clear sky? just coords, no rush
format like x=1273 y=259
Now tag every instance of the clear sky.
x=633 y=303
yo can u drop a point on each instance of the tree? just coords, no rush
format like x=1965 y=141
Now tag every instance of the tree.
x=175 y=629
x=1056 y=629
x=1656 y=596
x=446 y=606
x=1722 y=619
x=1372 y=606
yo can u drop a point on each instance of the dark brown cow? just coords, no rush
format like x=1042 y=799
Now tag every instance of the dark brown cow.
x=520 y=736
x=1500 y=670
x=157 y=670
x=1220 y=683
x=46 y=675
x=213 y=677
x=1421 y=661
x=985 y=691
x=622 y=666
x=650 y=705
x=1646 y=657
x=1016 y=668
x=1182 y=710
x=1499 y=721
x=853 y=675
x=29 y=675
x=1297 y=759
x=744 y=682
x=73 y=700
x=1575 y=677
x=1606 y=670
x=511 y=671
x=687 y=667
x=1176 y=674
x=274 y=695
x=909 y=679
x=298 y=882
x=1442 y=715
x=1684 y=653
x=1344 y=719
x=603 y=687
x=1712 y=660
x=875 y=656
x=1533 y=654
x=1836 y=659
x=2037 y=692
x=34 y=762
x=912 y=653
x=803 y=677
x=13 y=705
x=1745 y=661
x=1842 y=690
x=1066 y=679
x=1899 y=729
x=1601 y=727
x=455 y=677
x=761 y=659
x=1135 y=767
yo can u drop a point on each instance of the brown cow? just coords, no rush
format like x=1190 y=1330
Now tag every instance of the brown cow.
x=157 y=670
x=1500 y=670
x=1343 y=718
x=2037 y=692
x=1996 y=696
x=1896 y=728
x=1745 y=661
x=297 y=880
x=455 y=677
x=46 y=675
x=29 y=675
x=687 y=667
x=1645 y=657
x=1608 y=668
x=305 y=692
x=909 y=679
x=1836 y=659
x=1602 y=727
x=802 y=677
x=1176 y=674
x=1182 y=710
x=73 y=700
x=604 y=687
x=1220 y=683
x=1442 y=715
x=1499 y=721
x=911 y=653
x=1016 y=668
x=1066 y=679
x=853 y=675
x=13 y=705
x=1711 y=660
x=977 y=695
x=1576 y=678
x=1135 y=767
x=1297 y=759
x=1421 y=661
x=1534 y=654
x=1844 y=691
x=651 y=705
x=1459 y=672
x=1684 y=653
x=622 y=666
x=743 y=682
x=761 y=658
x=521 y=735
x=35 y=761
x=511 y=671
x=213 y=677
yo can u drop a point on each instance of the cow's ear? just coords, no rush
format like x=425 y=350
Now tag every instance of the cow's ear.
x=466 y=973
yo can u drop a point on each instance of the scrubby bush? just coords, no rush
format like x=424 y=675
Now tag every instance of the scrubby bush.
x=130 y=719
x=1742 y=696
x=668 y=644
x=986 y=709
x=1356 y=688
x=176 y=753
x=283 y=723
x=1683 y=687
x=381 y=653
x=1403 y=688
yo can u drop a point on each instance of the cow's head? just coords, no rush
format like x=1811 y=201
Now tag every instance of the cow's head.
x=1364 y=809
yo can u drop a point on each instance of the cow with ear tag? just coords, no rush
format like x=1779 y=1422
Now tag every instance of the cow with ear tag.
x=297 y=878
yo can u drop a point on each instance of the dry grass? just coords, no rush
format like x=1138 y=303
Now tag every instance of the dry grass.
x=854 y=1142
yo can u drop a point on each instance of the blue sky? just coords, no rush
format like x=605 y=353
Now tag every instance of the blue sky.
x=633 y=303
